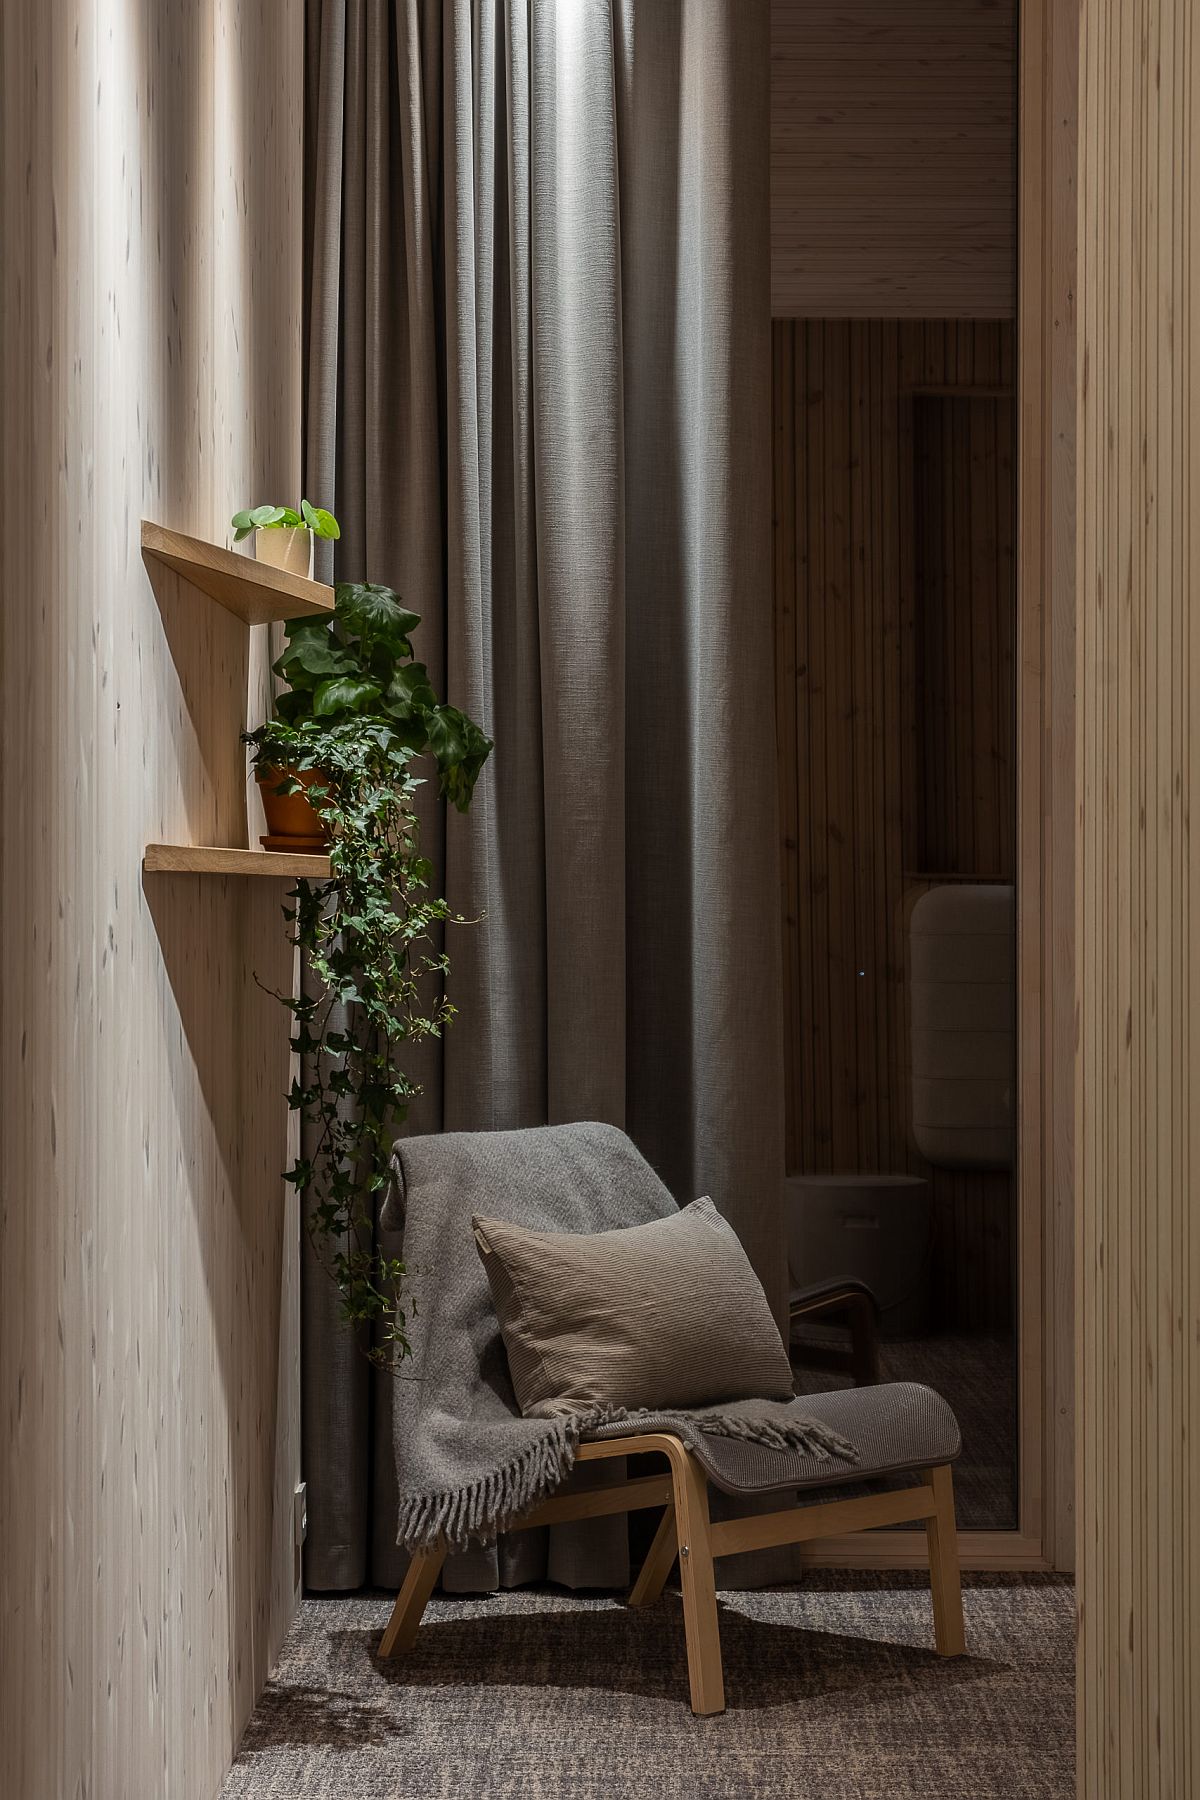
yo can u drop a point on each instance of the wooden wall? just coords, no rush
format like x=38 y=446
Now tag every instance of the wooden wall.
x=148 y=1272
x=1047 y=803
x=895 y=630
x=893 y=159
x=1138 y=918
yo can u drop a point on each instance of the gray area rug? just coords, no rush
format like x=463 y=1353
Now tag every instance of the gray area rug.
x=832 y=1688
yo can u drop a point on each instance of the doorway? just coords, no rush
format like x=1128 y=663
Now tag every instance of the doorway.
x=895 y=598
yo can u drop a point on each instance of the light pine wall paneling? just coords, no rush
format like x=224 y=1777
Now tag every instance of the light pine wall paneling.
x=1138 y=1096
x=893 y=159
x=35 y=1231
x=860 y=642
x=151 y=287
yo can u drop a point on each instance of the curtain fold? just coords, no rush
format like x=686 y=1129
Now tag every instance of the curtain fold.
x=537 y=348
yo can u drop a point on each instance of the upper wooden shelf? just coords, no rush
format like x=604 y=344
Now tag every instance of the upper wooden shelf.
x=211 y=859
x=254 y=591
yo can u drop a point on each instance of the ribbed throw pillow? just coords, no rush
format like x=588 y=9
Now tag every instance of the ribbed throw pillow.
x=664 y=1314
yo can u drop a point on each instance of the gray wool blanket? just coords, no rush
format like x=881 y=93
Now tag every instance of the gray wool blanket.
x=468 y=1463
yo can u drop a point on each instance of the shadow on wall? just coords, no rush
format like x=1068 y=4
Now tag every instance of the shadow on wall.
x=224 y=948
x=210 y=656
x=219 y=939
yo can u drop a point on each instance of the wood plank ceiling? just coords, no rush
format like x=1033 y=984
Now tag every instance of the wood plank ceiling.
x=893 y=159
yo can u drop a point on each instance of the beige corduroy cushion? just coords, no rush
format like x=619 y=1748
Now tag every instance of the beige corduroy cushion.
x=664 y=1314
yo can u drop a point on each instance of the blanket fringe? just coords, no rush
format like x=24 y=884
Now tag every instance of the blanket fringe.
x=809 y=1436
x=482 y=1509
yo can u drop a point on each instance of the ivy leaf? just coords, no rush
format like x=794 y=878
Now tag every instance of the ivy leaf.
x=287 y=785
x=376 y=615
x=409 y=692
x=369 y=931
x=313 y=653
x=460 y=749
x=343 y=693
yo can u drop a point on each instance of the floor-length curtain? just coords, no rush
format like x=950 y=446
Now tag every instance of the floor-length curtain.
x=537 y=364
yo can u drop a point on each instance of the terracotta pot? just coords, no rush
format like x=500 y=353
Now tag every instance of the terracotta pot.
x=293 y=822
x=289 y=547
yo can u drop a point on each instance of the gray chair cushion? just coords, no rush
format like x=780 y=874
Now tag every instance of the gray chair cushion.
x=895 y=1425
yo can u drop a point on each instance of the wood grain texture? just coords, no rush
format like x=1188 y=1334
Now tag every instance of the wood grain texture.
x=1046 y=761
x=895 y=616
x=257 y=593
x=208 y=859
x=148 y=1313
x=893 y=159
x=944 y=1580
x=1138 y=917
x=832 y=1518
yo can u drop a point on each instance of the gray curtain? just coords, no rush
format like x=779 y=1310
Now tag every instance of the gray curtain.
x=537 y=364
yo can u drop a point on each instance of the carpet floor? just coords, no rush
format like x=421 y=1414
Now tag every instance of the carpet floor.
x=832 y=1690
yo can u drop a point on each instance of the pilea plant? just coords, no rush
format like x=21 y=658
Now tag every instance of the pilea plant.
x=317 y=519
x=361 y=712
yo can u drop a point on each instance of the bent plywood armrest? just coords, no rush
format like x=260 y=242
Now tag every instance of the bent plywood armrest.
x=687 y=1533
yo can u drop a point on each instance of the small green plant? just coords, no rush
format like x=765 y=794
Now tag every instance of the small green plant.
x=316 y=519
x=360 y=712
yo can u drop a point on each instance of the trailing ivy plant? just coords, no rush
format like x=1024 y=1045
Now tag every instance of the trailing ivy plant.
x=317 y=519
x=360 y=712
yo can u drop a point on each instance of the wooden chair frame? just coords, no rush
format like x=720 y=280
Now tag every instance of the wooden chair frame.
x=855 y=1304
x=687 y=1532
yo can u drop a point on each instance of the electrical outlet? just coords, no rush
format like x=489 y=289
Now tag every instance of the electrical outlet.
x=300 y=1514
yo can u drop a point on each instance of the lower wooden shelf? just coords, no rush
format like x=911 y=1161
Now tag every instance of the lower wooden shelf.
x=210 y=859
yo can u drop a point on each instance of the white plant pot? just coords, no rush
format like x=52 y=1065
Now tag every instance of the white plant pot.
x=289 y=547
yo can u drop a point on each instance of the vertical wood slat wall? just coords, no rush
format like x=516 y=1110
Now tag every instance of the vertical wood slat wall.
x=1138 y=900
x=895 y=709
x=964 y=695
x=1047 y=811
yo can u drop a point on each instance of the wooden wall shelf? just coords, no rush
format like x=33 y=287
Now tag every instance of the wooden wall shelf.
x=254 y=591
x=210 y=859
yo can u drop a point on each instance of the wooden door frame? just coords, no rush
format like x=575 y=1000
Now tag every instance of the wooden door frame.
x=1048 y=50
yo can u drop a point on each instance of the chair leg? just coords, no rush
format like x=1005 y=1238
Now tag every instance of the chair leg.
x=948 y=1631
x=419 y=1582
x=699 y=1588
x=659 y=1561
